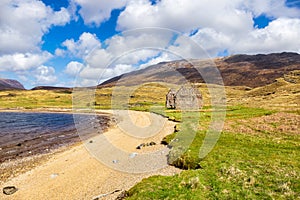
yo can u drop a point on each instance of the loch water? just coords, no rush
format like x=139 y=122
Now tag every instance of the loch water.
x=24 y=134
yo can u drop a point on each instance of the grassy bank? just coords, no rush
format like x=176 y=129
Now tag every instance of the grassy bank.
x=253 y=159
x=239 y=167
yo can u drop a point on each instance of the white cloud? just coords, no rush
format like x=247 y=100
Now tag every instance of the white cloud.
x=185 y=15
x=138 y=44
x=58 y=18
x=97 y=11
x=85 y=44
x=90 y=73
x=73 y=68
x=24 y=22
x=232 y=16
x=211 y=41
x=120 y=69
x=20 y=61
x=220 y=25
x=281 y=35
x=87 y=82
x=99 y=58
x=137 y=55
x=188 y=47
x=45 y=75
x=122 y=52
x=118 y=55
x=128 y=48
x=92 y=76
x=162 y=58
x=60 y=52
x=274 y=8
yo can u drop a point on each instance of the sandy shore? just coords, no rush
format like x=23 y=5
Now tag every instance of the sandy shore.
x=102 y=164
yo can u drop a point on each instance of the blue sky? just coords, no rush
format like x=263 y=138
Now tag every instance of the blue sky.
x=71 y=42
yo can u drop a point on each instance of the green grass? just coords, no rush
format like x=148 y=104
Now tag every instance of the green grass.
x=240 y=167
x=264 y=165
x=35 y=99
x=186 y=136
x=232 y=112
x=241 y=112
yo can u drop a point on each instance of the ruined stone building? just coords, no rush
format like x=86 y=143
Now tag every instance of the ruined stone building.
x=186 y=98
x=170 y=99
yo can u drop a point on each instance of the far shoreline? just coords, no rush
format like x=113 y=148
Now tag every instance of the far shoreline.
x=56 y=110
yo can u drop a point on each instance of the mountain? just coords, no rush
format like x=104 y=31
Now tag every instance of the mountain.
x=50 y=88
x=9 y=84
x=237 y=70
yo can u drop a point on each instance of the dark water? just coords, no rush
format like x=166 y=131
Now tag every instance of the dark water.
x=25 y=134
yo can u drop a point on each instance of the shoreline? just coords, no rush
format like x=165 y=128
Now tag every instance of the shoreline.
x=76 y=173
x=16 y=143
x=55 y=110
x=12 y=168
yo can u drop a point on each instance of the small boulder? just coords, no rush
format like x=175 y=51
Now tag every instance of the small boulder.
x=132 y=155
x=140 y=146
x=115 y=161
x=152 y=143
x=9 y=190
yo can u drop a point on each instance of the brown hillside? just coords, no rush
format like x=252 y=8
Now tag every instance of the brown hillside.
x=238 y=70
x=9 y=84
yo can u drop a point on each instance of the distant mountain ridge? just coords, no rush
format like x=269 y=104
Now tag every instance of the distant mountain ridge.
x=237 y=70
x=50 y=88
x=10 y=84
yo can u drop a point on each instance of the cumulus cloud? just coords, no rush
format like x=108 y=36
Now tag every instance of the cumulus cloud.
x=164 y=57
x=219 y=25
x=205 y=42
x=185 y=15
x=45 y=75
x=73 y=68
x=99 y=58
x=272 y=8
x=90 y=73
x=83 y=46
x=281 y=35
x=128 y=48
x=139 y=41
x=97 y=11
x=24 y=22
x=60 y=52
x=21 y=62
x=98 y=75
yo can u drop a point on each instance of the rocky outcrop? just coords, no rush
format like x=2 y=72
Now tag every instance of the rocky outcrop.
x=9 y=84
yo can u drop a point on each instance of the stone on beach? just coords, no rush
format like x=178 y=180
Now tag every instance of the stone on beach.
x=9 y=190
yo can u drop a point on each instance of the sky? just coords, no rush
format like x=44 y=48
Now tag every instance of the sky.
x=84 y=42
